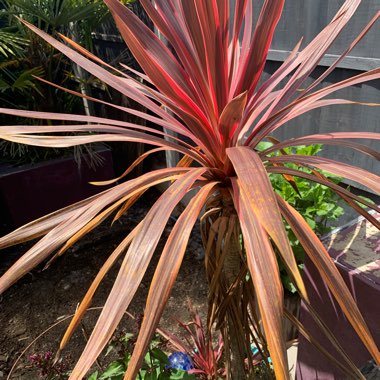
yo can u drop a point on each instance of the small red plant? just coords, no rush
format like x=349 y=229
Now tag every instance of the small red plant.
x=206 y=356
x=47 y=368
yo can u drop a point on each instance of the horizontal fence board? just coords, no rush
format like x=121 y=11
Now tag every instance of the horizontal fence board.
x=349 y=62
x=306 y=18
x=339 y=118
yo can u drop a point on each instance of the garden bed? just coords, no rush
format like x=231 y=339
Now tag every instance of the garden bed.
x=43 y=298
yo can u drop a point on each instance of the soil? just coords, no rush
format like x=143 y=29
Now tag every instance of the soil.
x=43 y=298
x=42 y=301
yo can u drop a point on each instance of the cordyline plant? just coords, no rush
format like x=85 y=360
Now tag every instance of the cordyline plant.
x=199 y=346
x=205 y=90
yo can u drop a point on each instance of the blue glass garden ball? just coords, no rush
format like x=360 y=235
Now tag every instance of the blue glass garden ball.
x=180 y=360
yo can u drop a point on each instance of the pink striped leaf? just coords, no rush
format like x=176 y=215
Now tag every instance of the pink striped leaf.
x=156 y=60
x=132 y=270
x=76 y=220
x=254 y=178
x=43 y=225
x=87 y=299
x=254 y=62
x=261 y=260
x=299 y=106
x=334 y=138
x=115 y=82
x=313 y=53
x=69 y=141
x=319 y=179
x=364 y=177
x=165 y=275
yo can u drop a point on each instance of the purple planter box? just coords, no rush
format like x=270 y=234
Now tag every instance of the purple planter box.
x=355 y=248
x=28 y=192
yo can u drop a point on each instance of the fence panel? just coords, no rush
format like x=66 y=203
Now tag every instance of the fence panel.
x=305 y=18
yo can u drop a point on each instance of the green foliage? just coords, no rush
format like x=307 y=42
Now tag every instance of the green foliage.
x=23 y=54
x=153 y=368
x=318 y=204
x=11 y=44
x=22 y=82
x=57 y=15
x=25 y=57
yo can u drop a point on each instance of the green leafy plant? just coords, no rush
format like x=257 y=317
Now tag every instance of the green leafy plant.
x=196 y=343
x=208 y=96
x=47 y=369
x=30 y=57
x=154 y=367
x=11 y=43
x=26 y=60
x=320 y=206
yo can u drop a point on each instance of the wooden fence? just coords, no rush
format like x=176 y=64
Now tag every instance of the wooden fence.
x=306 y=18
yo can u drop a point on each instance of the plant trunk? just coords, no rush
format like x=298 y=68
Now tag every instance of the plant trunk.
x=231 y=267
x=226 y=272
